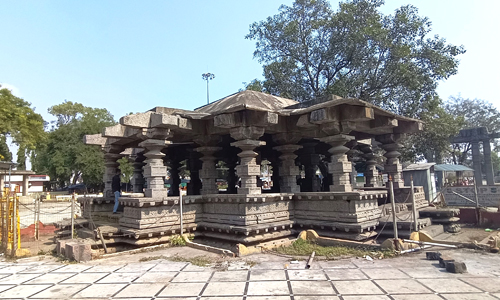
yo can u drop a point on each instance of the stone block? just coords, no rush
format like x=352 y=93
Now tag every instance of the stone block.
x=78 y=251
x=433 y=255
x=456 y=267
x=61 y=247
x=444 y=260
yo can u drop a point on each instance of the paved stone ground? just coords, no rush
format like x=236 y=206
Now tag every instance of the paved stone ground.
x=124 y=277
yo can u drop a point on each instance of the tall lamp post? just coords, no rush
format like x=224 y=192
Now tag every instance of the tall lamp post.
x=207 y=77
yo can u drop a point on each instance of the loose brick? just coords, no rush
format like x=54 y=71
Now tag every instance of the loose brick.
x=456 y=267
x=443 y=260
x=433 y=255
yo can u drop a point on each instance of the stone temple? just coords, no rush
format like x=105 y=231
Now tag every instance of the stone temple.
x=242 y=130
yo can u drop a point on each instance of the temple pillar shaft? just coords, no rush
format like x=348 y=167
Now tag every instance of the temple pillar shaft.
x=208 y=173
x=194 y=165
x=476 y=163
x=371 y=172
x=110 y=167
x=155 y=170
x=175 y=180
x=137 y=177
x=287 y=169
x=310 y=160
x=393 y=168
x=490 y=178
x=248 y=169
x=340 y=167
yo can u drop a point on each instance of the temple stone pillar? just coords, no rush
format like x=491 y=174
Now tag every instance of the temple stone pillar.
x=110 y=167
x=476 y=163
x=393 y=168
x=154 y=170
x=194 y=165
x=490 y=177
x=208 y=173
x=310 y=160
x=175 y=180
x=232 y=179
x=137 y=177
x=371 y=172
x=248 y=169
x=287 y=169
x=26 y=183
x=340 y=167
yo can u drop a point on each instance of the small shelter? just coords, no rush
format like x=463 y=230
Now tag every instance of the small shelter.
x=461 y=173
x=423 y=175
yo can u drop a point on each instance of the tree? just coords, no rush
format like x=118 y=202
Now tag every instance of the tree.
x=127 y=170
x=20 y=122
x=64 y=156
x=309 y=51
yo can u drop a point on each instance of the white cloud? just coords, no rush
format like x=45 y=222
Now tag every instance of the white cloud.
x=13 y=89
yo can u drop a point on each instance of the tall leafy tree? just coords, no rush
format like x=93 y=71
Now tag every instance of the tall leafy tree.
x=309 y=50
x=20 y=122
x=64 y=156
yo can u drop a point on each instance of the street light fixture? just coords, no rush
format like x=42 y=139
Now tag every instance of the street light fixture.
x=207 y=77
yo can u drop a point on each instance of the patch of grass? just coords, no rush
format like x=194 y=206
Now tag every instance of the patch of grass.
x=177 y=241
x=305 y=248
x=200 y=261
x=251 y=263
x=149 y=258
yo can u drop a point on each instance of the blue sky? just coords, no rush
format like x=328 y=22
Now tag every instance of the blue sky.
x=130 y=56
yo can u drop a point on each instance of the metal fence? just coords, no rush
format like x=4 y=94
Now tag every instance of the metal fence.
x=36 y=222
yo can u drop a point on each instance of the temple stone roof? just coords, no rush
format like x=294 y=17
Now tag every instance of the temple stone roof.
x=250 y=100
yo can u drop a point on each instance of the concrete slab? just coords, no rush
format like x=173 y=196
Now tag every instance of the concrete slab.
x=182 y=289
x=306 y=275
x=168 y=267
x=100 y=290
x=120 y=278
x=262 y=275
x=135 y=268
x=335 y=264
x=416 y=296
x=482 y=296
x=18 y=278
x=385 y=273
x=230 y=276
x=402 y=286
x=12 y=269
x=448 y=285
x=51 y=278
x=140 y=290
x=224 y=289
x=316 y=298
x=345 y=274
x=491 y=285
x=60 y=291
x=104 y=268
x=72 y=268
x=427 y=272
x=312 y=288
x=192 y=277
x=23 y=291
x=268 y=288
x=84 y=278
x=360 y=287
x=152 y=277
x=366 y=297
x=42 y=269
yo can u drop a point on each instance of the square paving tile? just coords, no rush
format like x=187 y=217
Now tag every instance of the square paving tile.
x=417 y=296
x=84 y=277
x=427 y=272
x=265 y=288
x=72 y=268
x=23 y=291
x=140 y=290
x=42 y=269
x=120 y=278
x=182 y=289
x=261 y=275
x=357 y=287
x=306 y=275
x=336 y=264
x=192 y=277
x=481 y=296
x=315 y=297
x=270 y=265
x=100 y=290
x=156 y=277
x=440 y=285
x=491 y=285
x=168 y=267
x=402 y=286
x=104 y=268
x=391 y=273
x=230 y=276
x=13 y=269
x=135 y=268
x=262 y=298
x=345 y=274
x=225 y=289
x=312 y=288
x=51 y=278
x=193 y=268
x=18 y=278
x=222 y=298
x=5 y=287
x=373 y=297
x=60 y=291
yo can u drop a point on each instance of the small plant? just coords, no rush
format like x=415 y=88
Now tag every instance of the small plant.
x=42 y=252
x=200 y=261
x=177 y=241
x=150 y=258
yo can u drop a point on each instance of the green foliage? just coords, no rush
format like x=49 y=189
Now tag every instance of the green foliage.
x=126 y=168
x=19 y=121
x=63 y=155
x=177 y=241
x=302 y=247
x=309 y=50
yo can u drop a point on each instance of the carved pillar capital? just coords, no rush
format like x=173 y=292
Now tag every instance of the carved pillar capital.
x=155 y=170
x=246 y=132
x=208 y=173
x=248 y=169
x=287 y=168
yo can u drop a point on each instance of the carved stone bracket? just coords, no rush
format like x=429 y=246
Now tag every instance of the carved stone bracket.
x=287 y=169
x=248 y=169
x=340 y=167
